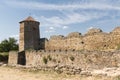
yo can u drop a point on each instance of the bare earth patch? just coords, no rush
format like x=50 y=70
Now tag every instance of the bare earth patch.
x=7 y=73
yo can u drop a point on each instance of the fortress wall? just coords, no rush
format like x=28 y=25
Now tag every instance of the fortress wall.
x=102 y=41
x=82 y=59
x=13 y=58
x=65 y=44
x=94 y=50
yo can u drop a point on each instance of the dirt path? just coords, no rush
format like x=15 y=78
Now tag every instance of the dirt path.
x=7 y=73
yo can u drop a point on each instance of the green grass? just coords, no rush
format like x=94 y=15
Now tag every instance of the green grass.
x=4 y=53
x=4 y=57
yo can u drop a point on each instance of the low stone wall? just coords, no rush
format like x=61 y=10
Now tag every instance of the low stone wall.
x=13 y=58
x=69 y=61
x=82 y=59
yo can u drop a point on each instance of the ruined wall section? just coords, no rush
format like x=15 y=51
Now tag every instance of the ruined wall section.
x=13 y=58
x=94 y=39
x=65 y=43
x=72 y=62
x=66 y=61
x=82 y=59
x=115 y=37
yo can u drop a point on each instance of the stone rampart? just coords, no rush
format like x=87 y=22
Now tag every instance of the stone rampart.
x=73 y=53
x=94 y=39
x=68 y=61
x=81 y=59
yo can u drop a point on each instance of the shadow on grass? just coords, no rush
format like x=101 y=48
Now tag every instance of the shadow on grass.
x=4 y=57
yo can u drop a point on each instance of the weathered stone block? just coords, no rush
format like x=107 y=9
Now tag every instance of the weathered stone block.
x=13 y=58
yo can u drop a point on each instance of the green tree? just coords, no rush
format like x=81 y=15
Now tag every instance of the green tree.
x=7 y=45
x=13 y=44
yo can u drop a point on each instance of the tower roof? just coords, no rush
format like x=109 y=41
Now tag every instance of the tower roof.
x=29 y=18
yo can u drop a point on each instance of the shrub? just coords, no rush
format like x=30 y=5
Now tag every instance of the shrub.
x=49 y=57
x=72 y=58
x=118 y=47
x=45 y=60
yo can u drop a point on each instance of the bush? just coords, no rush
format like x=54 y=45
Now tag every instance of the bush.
x=49 y=57
x=118 y=47
x=72 y=58
x=45 y=60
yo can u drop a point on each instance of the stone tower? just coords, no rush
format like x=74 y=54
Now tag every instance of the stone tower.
x=29 y=34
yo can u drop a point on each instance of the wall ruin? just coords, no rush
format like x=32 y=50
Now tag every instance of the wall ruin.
x=94 y=39
x=74 y=61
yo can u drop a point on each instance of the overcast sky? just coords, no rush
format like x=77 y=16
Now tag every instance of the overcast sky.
x=59 y=17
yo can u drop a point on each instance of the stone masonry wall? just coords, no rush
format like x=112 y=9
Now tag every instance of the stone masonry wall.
x=94 y=39
x=72 y=62
x=13 y=58
x=81 y=59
